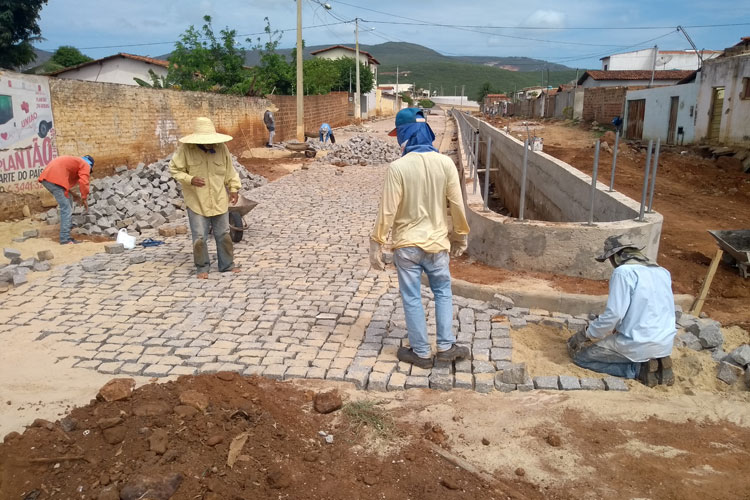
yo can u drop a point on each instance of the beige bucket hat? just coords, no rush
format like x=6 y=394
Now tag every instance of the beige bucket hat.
x=204 y=132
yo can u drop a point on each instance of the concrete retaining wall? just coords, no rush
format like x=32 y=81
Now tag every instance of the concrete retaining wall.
x=556 y=239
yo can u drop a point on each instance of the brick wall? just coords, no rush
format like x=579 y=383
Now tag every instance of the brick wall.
x=331 y=108
x=602 y=104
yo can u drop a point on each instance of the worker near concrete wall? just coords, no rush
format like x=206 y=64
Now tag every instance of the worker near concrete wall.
x=270 y=125
x=326 y=133
x=203 y=166
x=636 y=332
x=59 y=176
x=418 y=187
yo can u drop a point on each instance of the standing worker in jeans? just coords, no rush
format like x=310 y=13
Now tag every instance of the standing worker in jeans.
x=270 y=123
x=418 y=187
x=59 y=177
x=636 y=331
x=203 y=167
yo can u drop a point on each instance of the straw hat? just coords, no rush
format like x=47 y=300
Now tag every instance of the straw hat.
x=204 y=132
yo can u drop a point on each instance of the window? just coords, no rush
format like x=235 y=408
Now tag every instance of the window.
x=745 y=94
x=6 y=109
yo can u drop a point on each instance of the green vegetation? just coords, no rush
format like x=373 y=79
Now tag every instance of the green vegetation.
x=367 y=414
x=19 y=26
x=426 y=103
x=67 y=56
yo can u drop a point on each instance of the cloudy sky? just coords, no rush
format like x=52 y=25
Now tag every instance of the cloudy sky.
x=571 y=32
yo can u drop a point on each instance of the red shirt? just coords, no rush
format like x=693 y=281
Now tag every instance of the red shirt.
x=66 y=172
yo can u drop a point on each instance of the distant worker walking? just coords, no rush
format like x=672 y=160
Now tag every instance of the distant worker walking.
x=418 y=188
x=270 y=125
x=326 y=133
x=203 y=166
x=637 y=329
x=59 y=177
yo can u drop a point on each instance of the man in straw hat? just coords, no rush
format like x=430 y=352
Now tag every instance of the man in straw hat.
x=418 y=188
x=203 y=166
x=637 y=329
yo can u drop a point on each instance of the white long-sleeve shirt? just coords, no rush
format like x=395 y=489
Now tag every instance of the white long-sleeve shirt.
x=640 y=312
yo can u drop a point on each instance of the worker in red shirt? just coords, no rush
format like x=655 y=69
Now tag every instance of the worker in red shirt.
x=59 y=176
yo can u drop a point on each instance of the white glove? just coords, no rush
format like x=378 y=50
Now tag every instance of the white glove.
x=376 y=256
x=459 y=242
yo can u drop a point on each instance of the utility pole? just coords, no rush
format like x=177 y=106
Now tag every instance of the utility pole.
x=350 y=80
x=397 y=89
x=576 y=84
x=690 y=40
x=357 y=101
x=300 y=87
x=430 y=91
x=462 y=96
x=653 y=67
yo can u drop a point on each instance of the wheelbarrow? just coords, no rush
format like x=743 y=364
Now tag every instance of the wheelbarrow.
x=301 y=147
x=236 y=212
x=734 y=249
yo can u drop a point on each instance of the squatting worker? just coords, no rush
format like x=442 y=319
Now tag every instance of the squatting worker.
x=418 y=187
x=59 y=177
x=203 y=166
x=326 y=133
x=637 y=328
x=270 y=123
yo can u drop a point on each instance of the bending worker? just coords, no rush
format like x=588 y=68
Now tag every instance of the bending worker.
x=326 y=133
x=203 y=167
x=418 y=188
x=59 y=177
x=636 y=331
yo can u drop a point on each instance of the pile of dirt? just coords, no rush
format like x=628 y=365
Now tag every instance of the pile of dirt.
x=225 y=436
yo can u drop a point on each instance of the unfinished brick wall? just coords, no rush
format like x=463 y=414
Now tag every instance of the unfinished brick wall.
x=332 y=109
x=602 y=104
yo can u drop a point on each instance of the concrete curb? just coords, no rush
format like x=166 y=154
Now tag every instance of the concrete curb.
x=570 y=303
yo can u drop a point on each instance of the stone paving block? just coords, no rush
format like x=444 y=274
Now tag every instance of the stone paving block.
x=576 y=325
x=112 y=367
x=484 y=382
x=44 y=255
x=539 y=312
x=615 y=384
x=463 y=380
x=518 y=323
x=558 y=323
x=231 y=367
x=183 y=370
x=513 y=374
x=93 y=266
x=417 y=382
x=335 y=374
x=254 y=370
x=532 y=318
x=741 y=355
x=569 y=383
x=502 y=342
x=384 y=367
x=316 y=373
x=729 y=373
x=275 y=371
x=463 y=366
x=503 y=387
x=441 y=381
x=483 y=367
x=210 y=367
x=378 y=381
x=11 y=253
x=114 y=248
x=396 y=382
x=501 y=354
x=592 y=384
x=689 y=340
x=528 y=385
x=358 y=376
x=482 y=343
x=296 y=372
x=157 y=370
x=545 y=382
x=708 y=332
x=132 y=368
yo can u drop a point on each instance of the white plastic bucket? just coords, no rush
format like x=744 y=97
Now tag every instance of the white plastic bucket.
x=127 y=241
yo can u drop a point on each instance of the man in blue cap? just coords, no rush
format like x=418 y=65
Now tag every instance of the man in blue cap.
x=418 y=187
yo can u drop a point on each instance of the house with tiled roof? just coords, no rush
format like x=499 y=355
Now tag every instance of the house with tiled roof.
x=653 y=58
x=631 y=78
x=119 y=68
x=340 y=51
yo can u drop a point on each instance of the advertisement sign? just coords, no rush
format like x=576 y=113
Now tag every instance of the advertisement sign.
x=27 y=134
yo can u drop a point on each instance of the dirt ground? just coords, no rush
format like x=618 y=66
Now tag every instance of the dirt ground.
x=430 y=445
x=692 y=193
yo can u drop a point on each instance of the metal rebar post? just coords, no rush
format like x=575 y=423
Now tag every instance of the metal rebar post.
x=487 y=165
x=645 y=180
x=614 y=160
x=476 y=161
x=522 y=202
x=654 y=168
x=593 y=183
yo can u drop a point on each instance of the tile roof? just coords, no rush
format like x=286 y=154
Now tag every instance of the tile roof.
x=150 y=60
x=332 y=47
x=634 y=75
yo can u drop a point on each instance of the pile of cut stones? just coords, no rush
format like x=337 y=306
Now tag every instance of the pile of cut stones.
x=702 y=334
x=139 y=199
x=14 y=273
x=362 y=150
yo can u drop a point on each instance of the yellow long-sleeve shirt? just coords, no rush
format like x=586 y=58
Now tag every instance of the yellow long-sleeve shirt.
x=216 y=169
x=417 y=187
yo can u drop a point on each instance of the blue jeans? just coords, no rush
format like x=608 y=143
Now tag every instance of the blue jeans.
x=199 y=226
x=603 y=360
x=410 y=263
x=66 y=209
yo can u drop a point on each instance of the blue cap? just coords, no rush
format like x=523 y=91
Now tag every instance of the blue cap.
x=406 y=116
x=88 y=159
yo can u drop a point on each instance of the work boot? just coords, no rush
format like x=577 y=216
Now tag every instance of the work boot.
x=665 y=375
x=454 y=353
x=647 y=373
x=409 y=356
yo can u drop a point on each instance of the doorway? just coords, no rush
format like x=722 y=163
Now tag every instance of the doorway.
x=636 y=112
x=673 y=107
x=717 y=105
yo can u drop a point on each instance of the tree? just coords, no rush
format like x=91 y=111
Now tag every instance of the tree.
x=19 y=26
x=274 y=74
x=347 y=71
x=67 y=56
x=202 y=62
x=485 y=89
x=157 y=82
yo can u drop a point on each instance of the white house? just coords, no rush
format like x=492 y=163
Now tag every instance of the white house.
x=634 y=78
x=119 y=68
x=340 y=51
x=723 y=107
x=665 y=59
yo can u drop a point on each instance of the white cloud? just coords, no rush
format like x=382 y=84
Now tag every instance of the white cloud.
x=546 y=19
